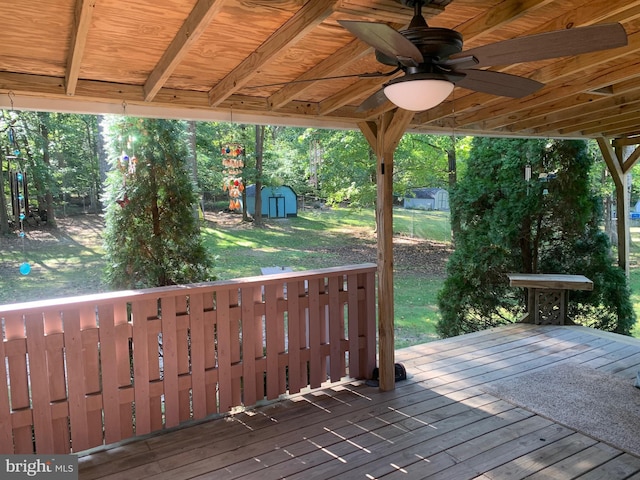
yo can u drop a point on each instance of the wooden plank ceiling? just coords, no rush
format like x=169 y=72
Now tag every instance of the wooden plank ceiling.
x=207 y=59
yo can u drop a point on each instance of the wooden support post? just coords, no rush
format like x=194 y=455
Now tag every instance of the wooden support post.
x=383 y=137
x=620 y=161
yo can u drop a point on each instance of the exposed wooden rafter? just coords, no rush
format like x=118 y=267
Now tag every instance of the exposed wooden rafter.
x=82 y=22
x=195 y=25
x=309 y=16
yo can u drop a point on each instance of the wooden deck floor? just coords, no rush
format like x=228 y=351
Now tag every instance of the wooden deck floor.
x=439 y=424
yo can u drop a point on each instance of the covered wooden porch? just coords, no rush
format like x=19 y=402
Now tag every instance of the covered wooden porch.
x=263 y=61
x=448 y=420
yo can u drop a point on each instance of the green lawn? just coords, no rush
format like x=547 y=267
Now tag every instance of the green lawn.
x=634 y=276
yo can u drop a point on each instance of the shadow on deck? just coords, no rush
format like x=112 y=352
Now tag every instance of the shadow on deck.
x=440 y=423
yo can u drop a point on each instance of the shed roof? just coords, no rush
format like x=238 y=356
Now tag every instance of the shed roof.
x=424 y=192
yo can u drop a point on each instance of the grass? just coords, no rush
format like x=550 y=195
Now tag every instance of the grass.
x=634 y=277
x=422 y=224
x=314 y=240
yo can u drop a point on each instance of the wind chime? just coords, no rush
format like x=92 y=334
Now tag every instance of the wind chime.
x=233 y=163
x=19 y=197
x=127 y=166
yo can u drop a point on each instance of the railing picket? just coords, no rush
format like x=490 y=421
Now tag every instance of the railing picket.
x=336 y=329
x=294 y=327
x=170 y=362
x=198 y=393
x=224 y=351
x=6 y=427
x=211 y=369
x=368 y=326
x=140 y=310
x=353 y=319
x=316 y=358
x=92 y=387
x=123 y=330
x=271 y=316
x=110 y=395
x=54 y=341
x=250 y=396
x=235 y=339
x=260 y=341
x=41 y=401
x=184 y=370
x=76 y=380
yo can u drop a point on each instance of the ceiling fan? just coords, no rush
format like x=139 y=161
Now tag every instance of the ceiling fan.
x=433 y=61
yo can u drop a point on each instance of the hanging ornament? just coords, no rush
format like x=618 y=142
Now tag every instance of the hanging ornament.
x=25 y=268
x=124 y=201
x=233 y=163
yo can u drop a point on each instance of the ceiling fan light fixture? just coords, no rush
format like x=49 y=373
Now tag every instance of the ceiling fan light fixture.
x=418 y=94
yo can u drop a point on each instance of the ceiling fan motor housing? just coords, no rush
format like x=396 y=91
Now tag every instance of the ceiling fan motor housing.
x=434 y=43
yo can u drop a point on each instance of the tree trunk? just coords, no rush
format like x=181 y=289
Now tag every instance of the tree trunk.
x=103 y=162
x=193 y=163
x=453 y=178
x=46 y=158
x=259 y=158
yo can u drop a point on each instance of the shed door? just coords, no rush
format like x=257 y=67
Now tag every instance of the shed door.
x=276 y=207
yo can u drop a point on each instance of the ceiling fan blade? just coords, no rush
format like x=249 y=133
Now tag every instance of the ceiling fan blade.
x=385 y=39
x=498 y=83
x=374 y=101
x=560 y=43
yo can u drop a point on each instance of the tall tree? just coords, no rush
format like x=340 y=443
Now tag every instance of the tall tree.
x=510 y=225
x=151 y=236
x=257 y=218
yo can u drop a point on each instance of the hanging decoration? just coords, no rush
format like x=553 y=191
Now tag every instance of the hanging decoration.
x=18 y=191
x=233 y=163
x=126 y=165
x=19 y=197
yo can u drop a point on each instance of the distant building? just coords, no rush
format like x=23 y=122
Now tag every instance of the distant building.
x=277 y=202
x=427 y=199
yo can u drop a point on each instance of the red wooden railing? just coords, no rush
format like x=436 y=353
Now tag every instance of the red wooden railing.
x=92 y=370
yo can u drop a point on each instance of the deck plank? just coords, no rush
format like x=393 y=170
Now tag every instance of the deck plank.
x=439 y=423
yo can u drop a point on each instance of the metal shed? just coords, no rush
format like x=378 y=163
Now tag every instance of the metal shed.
x=427 y=199
x=277 y=202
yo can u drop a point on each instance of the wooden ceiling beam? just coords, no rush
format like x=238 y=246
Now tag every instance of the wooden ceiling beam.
x=81 y=24
x=625 y=141
x=310 y=15
x=581 y=104
x=194 y=26
x=362 y=88
x=116 y=93
x=329 y=66
x=494 y=116
x=613 y=127
x=620 y=132
x=492 y=19
x=599 y=118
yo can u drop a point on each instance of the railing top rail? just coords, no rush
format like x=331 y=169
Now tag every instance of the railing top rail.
x=159 y=292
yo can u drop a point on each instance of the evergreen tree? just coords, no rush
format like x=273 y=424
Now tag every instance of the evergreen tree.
x=507 y=224
x=151 y=236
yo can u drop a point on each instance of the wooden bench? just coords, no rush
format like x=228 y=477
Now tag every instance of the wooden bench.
x=548 y=295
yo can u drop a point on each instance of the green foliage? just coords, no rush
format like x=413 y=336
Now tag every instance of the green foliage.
x=151 y=236
x=510 y=225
